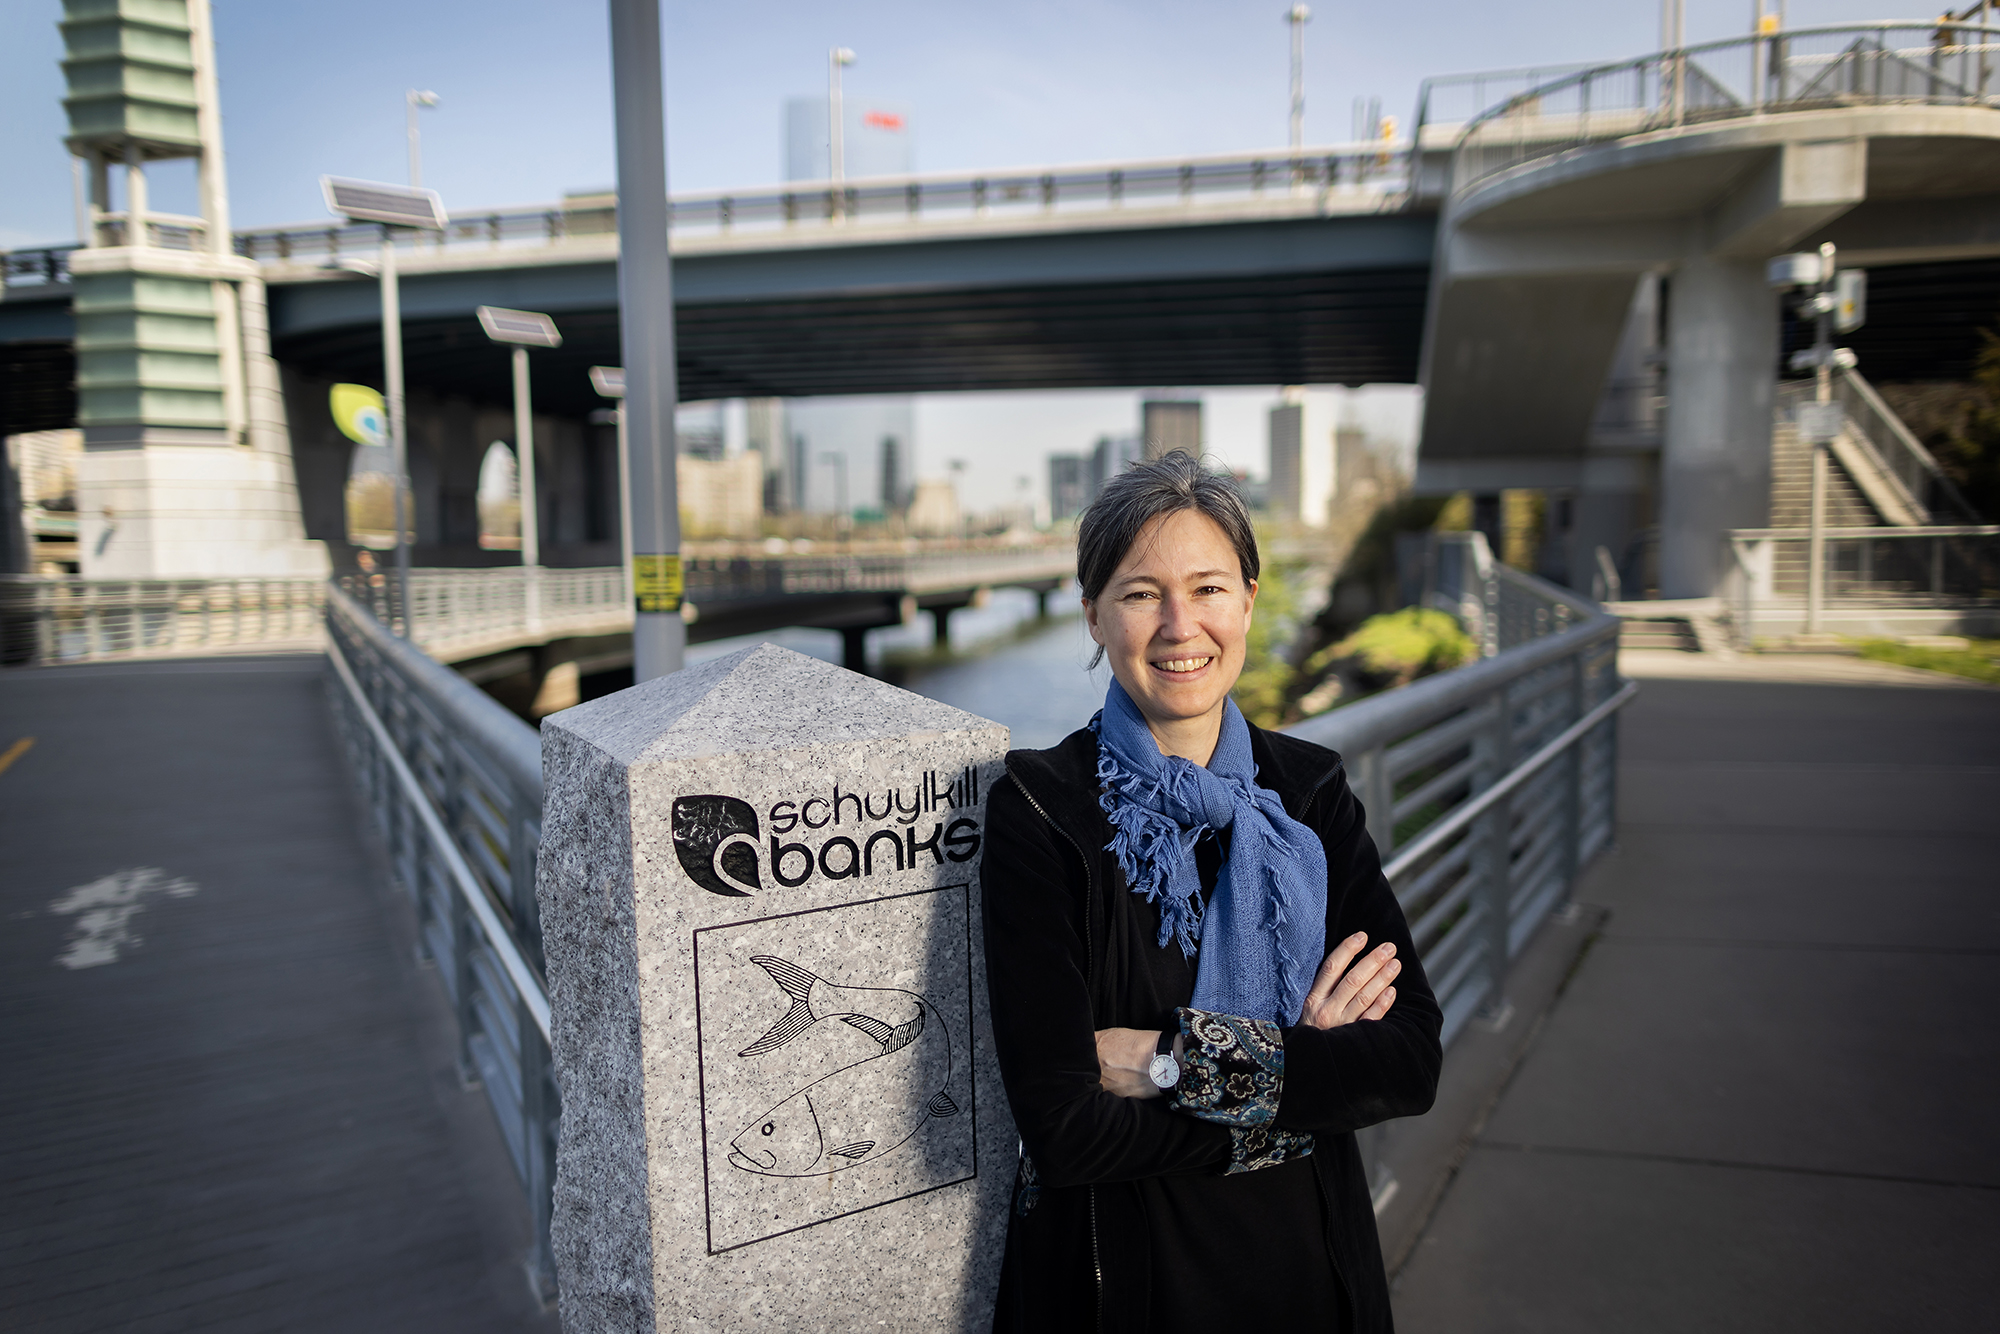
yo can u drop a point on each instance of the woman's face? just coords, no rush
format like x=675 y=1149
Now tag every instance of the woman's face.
x=1173 y=619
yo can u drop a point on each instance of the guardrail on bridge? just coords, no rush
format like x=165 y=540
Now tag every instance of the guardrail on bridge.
x=454 y=785
x=47 y=619
x=1934 y=63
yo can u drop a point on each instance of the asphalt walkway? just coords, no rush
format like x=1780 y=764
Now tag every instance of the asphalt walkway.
x=230 y=1101
x=1768 y=1097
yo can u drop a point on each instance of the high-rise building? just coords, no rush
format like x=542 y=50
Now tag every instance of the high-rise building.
x=764 y=435
x=1109 y=457
x=895 y=479
x=1169 y=424
x=1302 y=462
x=876 y=139
x=699 y=431
x=1069 y=485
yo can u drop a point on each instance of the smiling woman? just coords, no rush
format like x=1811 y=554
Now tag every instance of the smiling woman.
x=1201 y=983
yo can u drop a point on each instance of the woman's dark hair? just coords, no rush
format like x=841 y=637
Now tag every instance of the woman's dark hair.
x=1152 y=490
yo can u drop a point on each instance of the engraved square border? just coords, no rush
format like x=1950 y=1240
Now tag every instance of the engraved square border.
x=701 y=1074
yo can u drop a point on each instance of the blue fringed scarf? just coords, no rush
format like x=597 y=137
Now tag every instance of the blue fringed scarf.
x=1265 y=929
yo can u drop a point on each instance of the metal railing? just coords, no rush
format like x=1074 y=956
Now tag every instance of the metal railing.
x=1889 y=444
x=1800 y=69
x=461 y=613
x=1941 y=568
x=1499 y=606
x=454 y=785
x=1339 y=178
x=1488 y=788
x=464 y=613
x=1343 y=178
x=51 y=619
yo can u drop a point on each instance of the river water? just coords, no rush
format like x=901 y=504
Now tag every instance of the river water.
x=1003 y=663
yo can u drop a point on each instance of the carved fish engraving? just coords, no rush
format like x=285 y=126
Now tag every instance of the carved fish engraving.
x=855 y=1114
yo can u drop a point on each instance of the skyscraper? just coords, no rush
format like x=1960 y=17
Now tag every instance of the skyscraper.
x=1069 y=485
x=895 y=484
x=765 y=434
x=1169 y=424
x=1110 y=456
x=1302 y=458
x=876 y=141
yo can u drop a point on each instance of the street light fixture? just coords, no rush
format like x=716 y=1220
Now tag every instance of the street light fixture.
x=521 y=330
x=1297 y=16
x=1838 y=303
x=411 y=101
x=838 y=57
x=393 y=206
x=609 y=382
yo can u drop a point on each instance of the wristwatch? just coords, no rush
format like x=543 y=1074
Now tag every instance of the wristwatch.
x=1165 y=1070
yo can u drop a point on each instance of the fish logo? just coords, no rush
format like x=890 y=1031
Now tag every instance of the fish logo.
x=716 y=841
x=852 y=1115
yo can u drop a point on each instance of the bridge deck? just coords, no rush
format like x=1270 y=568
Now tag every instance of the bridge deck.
x=249 y=1118
x=1766 y=1099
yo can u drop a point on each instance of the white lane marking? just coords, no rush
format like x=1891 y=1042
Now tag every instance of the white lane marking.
x=104 y=910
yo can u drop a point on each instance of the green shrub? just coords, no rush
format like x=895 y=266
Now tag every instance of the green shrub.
x=1979 y=661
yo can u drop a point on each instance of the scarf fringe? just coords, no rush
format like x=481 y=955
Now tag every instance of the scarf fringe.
x=1274 y=859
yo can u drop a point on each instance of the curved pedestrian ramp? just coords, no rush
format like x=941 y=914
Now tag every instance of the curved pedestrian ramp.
x=233 y=1099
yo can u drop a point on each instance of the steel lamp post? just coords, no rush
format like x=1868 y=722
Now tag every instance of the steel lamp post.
x=411 y=101
x=392 y=206
x=609 y=382
x=646 y=335
x=1838 y=303
x=521 y=330
x=836 y=144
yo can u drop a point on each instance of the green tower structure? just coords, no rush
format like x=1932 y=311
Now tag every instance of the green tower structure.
x=187 y=462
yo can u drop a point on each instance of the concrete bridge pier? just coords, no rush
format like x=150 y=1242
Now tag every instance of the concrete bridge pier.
x=1715 y=460
x=1542 y=262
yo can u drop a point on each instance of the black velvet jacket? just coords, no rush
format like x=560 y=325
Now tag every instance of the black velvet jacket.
x=1070 y=950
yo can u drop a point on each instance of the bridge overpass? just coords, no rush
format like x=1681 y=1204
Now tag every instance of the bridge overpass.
x=1530 y=255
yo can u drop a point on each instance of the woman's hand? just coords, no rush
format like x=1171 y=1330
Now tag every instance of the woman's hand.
x=1125 y=1059
x=1363 y=993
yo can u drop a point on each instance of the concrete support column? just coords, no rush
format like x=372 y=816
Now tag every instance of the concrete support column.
x=264 y=397
x=1715 y=464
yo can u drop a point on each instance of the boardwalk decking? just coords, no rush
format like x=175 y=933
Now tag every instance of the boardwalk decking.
x=249 y=1119
x=1766 y=1100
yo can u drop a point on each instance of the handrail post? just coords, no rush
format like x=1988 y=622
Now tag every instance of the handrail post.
x=1578 y=692
x=537 y=1150
x=1490 y=859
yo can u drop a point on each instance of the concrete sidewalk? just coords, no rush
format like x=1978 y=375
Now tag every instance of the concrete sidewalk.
x=231 y=1098
x=1767 y=1098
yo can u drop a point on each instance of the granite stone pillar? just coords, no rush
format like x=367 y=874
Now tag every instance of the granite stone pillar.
x=761 y=914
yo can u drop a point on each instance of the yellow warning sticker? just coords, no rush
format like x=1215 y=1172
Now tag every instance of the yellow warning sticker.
x=656 y=583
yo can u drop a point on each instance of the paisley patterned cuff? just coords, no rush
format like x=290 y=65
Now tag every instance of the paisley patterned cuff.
x=1232 y=1069
x=1027 y=1187
x=1264 y=1146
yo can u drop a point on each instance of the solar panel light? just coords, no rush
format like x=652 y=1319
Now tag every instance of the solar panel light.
x=1799 y=270
x=371 y=201
x=608 y=381
x=525 y=327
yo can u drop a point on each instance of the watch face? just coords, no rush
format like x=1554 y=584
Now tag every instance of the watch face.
x=1166 y=1071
